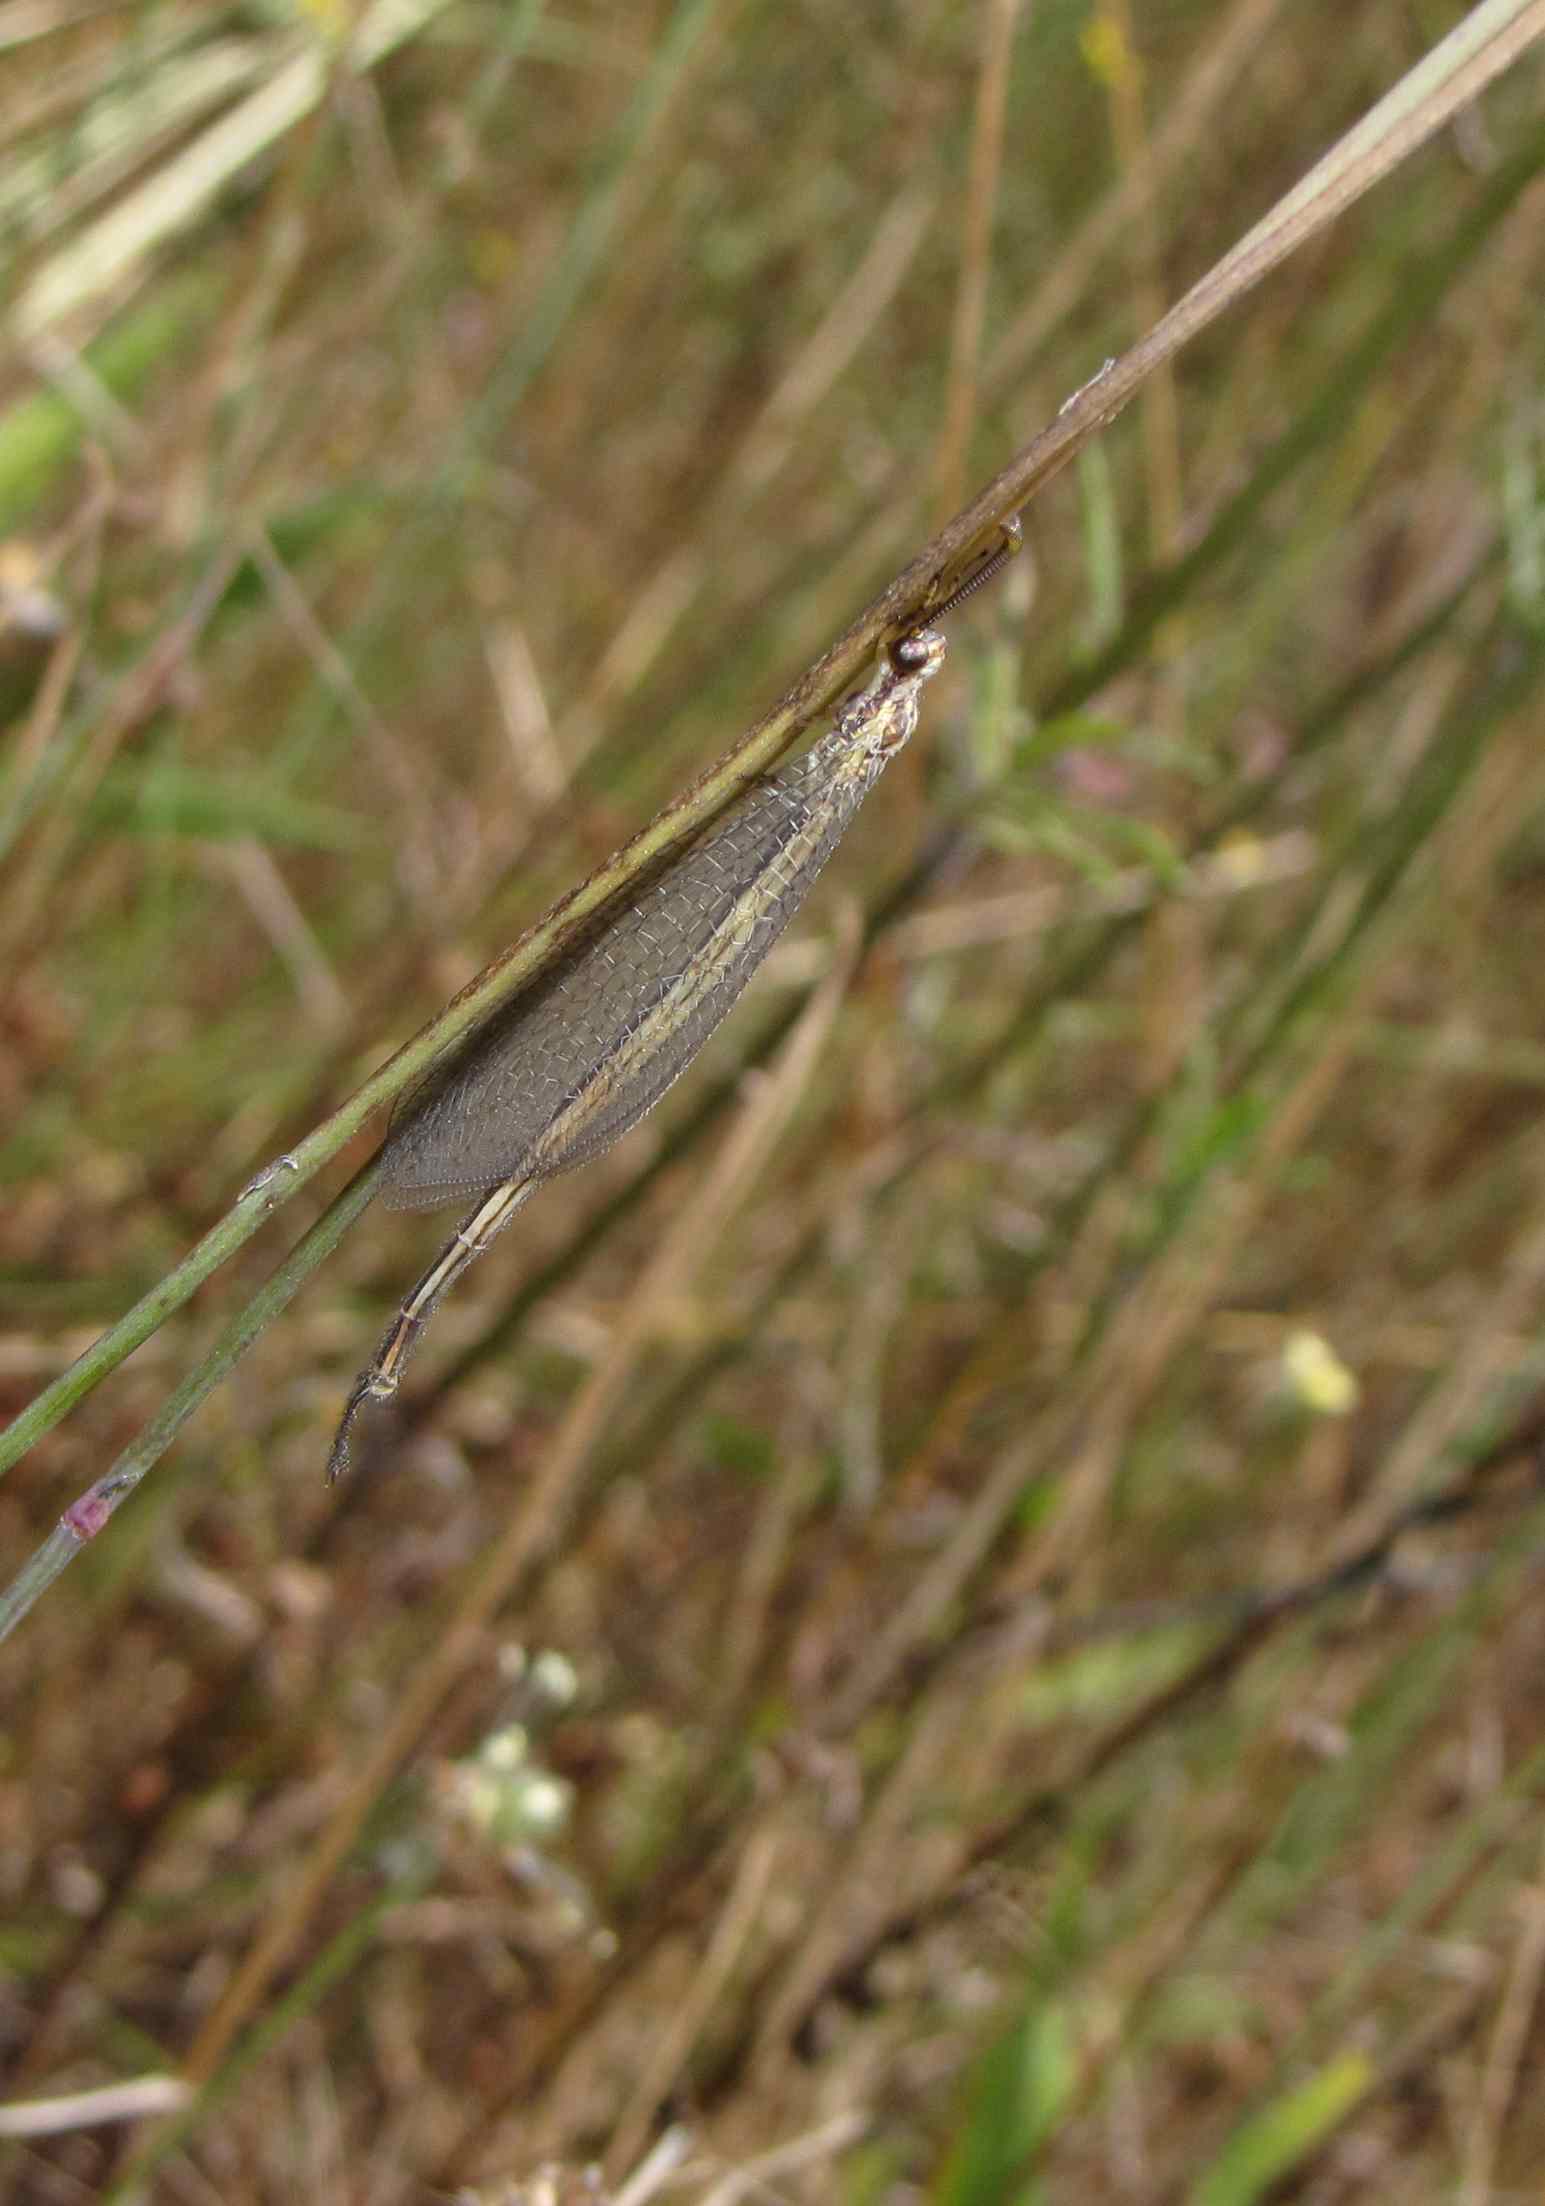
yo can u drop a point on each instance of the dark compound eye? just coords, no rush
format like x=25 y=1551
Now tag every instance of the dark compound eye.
x=916 y=653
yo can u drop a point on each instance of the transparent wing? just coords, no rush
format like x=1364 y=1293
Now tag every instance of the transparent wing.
x=714 y=911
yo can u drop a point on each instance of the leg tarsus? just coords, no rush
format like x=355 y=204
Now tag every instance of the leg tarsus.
x=369 y=1387
x=260 y=1180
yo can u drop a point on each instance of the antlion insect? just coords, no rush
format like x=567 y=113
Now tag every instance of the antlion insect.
x=578 y=1060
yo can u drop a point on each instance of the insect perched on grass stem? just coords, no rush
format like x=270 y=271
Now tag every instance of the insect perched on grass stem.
x=579 y=1058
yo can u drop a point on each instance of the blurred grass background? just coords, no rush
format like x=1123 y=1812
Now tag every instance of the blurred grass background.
x=1033 y=1690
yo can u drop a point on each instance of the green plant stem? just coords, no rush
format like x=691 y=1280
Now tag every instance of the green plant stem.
x=87 y=1515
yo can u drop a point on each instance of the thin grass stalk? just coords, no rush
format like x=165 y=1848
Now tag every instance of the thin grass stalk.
x=92 y=1510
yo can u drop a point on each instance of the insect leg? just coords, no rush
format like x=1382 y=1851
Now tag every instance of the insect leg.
x=379 y=1380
